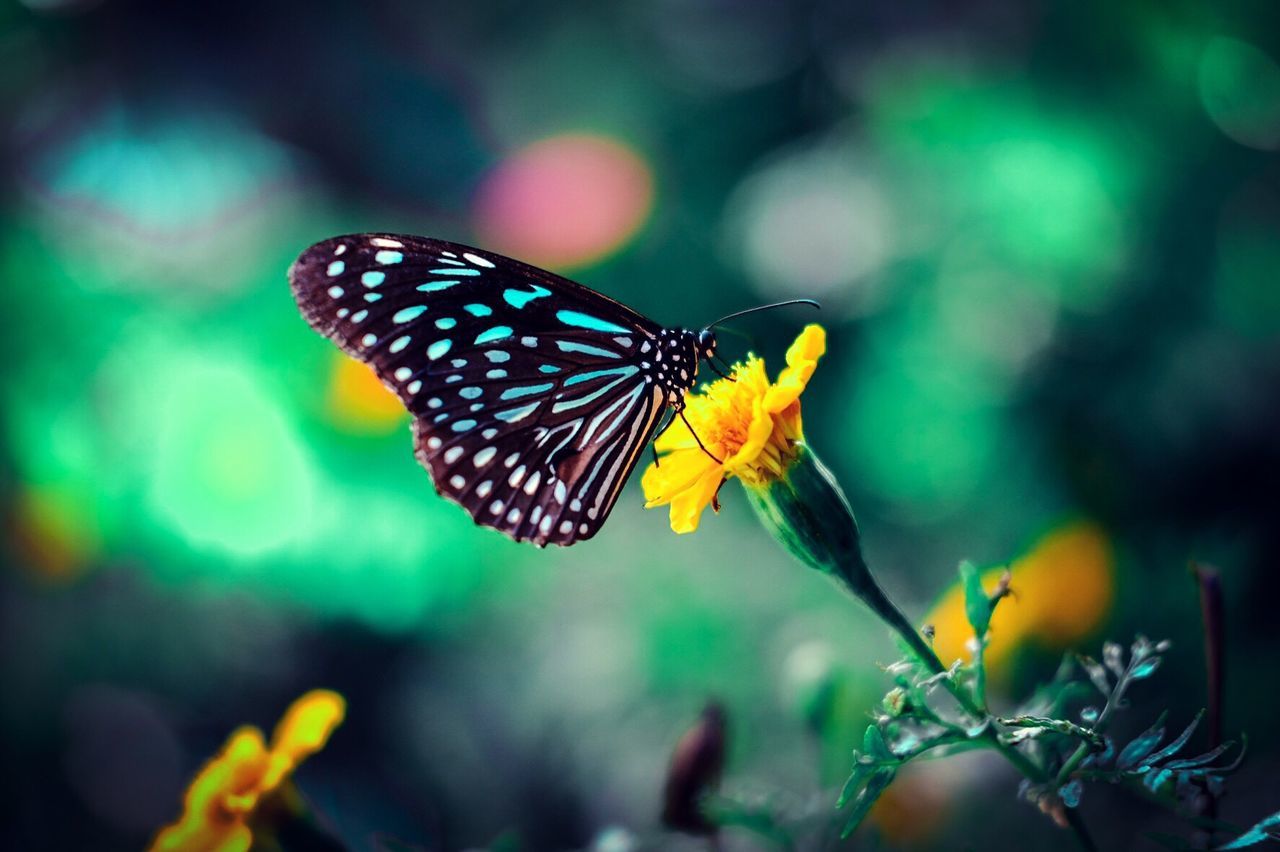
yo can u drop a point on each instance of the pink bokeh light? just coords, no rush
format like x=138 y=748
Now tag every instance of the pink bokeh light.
x=564 y=201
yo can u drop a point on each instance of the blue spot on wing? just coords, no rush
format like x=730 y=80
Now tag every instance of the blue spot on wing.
x=511 y=415
x=585 y=349
x=405 y=314
x=526 y=390
x=595 y=374
x=519 y=298
x=581 y=320
x=498 y=332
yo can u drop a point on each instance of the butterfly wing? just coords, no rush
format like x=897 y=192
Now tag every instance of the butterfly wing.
x=532 y=395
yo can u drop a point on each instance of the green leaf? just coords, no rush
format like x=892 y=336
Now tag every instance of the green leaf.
x=1155 y=779
x=1141 y=745
x=882 y=778
x=1264 y=830
x=874 y=745
x=1145 y=669
x=1174 y=747
x=1200 y=760
x=858 y=777
x=977 y=606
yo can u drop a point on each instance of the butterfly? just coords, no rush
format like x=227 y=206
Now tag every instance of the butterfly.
x=533 y=396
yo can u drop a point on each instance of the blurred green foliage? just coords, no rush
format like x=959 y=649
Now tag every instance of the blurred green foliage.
x=1045 y=238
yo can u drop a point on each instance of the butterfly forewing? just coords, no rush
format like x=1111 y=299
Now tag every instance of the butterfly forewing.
x=530 y=392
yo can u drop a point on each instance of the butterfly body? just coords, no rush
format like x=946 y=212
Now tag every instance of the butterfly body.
x=533 y=396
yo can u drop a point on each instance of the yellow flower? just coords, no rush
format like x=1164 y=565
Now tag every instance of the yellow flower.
x=358 y=401
x=751 y=425
x=224 y=794
x=1061 y=590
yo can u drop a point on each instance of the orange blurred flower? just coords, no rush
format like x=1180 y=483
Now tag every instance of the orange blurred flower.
x=223 y=795
x=359 y=401
x=1061 y=591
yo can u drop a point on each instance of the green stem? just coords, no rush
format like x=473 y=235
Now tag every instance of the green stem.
x=874 y=596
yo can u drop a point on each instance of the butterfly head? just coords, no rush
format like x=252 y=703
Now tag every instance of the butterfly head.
x=706 y=344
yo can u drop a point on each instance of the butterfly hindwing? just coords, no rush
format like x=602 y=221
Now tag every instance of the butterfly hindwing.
x=530 y=392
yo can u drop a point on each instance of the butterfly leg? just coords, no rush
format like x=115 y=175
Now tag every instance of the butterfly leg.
x=701 y=446
x=653 y=445
x=716 y=368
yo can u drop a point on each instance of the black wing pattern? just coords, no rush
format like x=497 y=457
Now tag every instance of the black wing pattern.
x=532 y=394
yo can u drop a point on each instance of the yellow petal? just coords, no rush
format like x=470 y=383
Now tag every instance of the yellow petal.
x=687 y=505
x=802 y=359
x=675 y=437
x=303 y=730
x=206 y=822
x=678 y=472
x=758 y=432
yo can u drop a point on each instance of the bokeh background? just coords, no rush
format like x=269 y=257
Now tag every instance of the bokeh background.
x=1046 y=237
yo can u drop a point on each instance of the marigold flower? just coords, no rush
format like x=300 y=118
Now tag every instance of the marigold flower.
x=753 y=426
x=223 y=795
x=1061 y=590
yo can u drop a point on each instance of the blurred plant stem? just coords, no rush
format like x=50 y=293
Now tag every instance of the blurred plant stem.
x=806 y=510
x=874 y=597
x=1209 y=582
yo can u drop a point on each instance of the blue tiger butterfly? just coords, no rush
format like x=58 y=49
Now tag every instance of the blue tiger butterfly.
x=533 y=396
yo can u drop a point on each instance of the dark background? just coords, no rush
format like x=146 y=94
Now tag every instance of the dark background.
x=1045 y=236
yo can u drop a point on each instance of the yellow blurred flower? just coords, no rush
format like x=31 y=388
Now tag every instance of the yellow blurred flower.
x=223 y=795
x=359 y=401
x=752 y=425
x=1060 y=592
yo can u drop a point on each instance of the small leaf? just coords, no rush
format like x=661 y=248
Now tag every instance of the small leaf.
x=1201 y=759
x=977 y=606
x=861 y=771
x=1071 y=792
x=1264 y=830
x=879 y=781
x=1174 y=747
x=1096 y=673
x=1141 y=745
x=1154 y=780
x=874 y=746
x=1146 y=668
x=1113 y=658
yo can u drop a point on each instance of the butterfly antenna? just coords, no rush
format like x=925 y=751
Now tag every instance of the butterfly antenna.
x=768 y=307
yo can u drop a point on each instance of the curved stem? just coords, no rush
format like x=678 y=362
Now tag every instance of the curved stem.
x=874 y=596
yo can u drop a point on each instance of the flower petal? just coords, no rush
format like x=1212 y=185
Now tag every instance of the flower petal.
x=678 y=472
x=802 y=359
x=758 y=432
x=303 y=730
x=233 y=774
x=675 y=437
x=687 y=506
